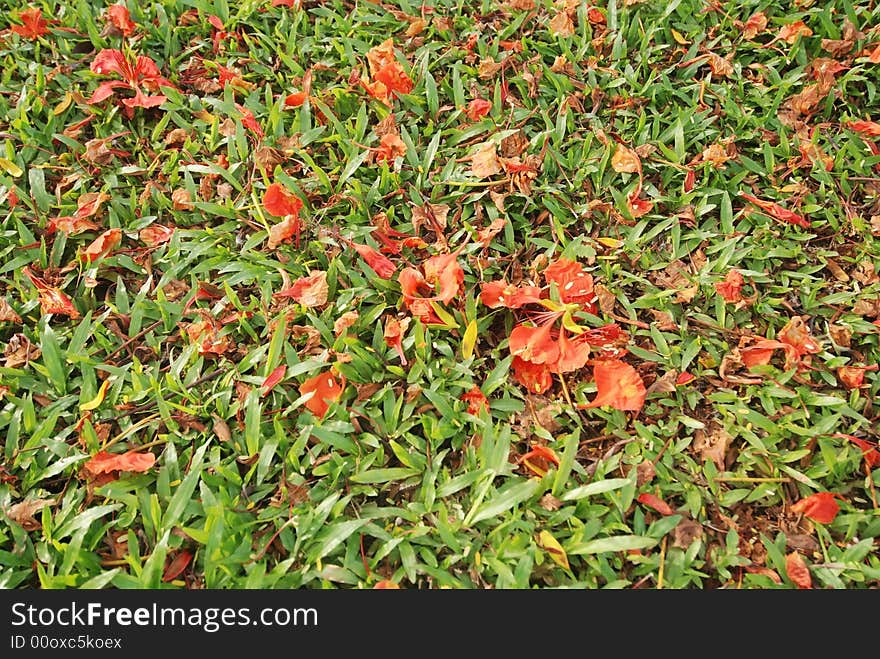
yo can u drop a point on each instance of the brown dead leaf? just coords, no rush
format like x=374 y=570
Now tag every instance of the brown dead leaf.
x=7 y=313
x=181 y=200
x=513 y=145
x=664 y=320
x=841 y=335
x=606 y=298
x=543 y=412
x=665 y=383
x=19 y=351
x=498 y=199
x=221 y=429
x=867 y=307
x=645 y=472
x=345 y=321
x=625 y=161
x=549 y=502
x=561 y=25
x=484 y=163
x=488 y=68
x=865 y=273
x=712 y=444
x=842 y=47
x=432 y=216
x=721 y=66
x=23 y=512
x=686 y=532
x=838 y=272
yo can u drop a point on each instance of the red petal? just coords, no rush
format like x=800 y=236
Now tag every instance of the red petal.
x=820 y=507
x=106 y=90
x=478 y=108
x=618 y=385
x=102 y=245
x=326 y=389
x=278 y=201
x=869 y=128
x=104 y=462
x=573 y=355
x=121 y=18
x=656 y=503
x=730 y=288
x=309 y=291
x=495 y=294
x=177 y=565
x=445 y=274
x=534 y=377
x=393 y=336
x=776 y=211
x=476 y=400
x=141 y=100
x=276 y=376
x=295 y=99
x=380 y=263
x=573 y=283
x=109 y=60
x=797 y=570
x=33 y=24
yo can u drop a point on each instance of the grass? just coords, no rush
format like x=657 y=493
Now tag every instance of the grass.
x=401 y=481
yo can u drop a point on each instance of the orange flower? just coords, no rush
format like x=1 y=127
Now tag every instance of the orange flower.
x=279 y=201
x=534 y=344
x=539 y=459
x=820 y=507
x=137 y=75
x=102 y=245
x=33 y=24
x=388 y=76
x=534 y=377
x=52 y=300
x=618 y=385
x=393 y=335
x=391 y=146
x=730 y=288
x=325 y=389
x=442 y=275
x=476 y=400
x=495 y=294
x=478 y=108
x=853 y=377
x=573 y=283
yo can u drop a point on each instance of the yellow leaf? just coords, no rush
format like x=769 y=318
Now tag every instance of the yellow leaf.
x=444 y=316
x=469 y=340
x=613 y=243
x=11 y=168
x=549 y=544
x=679 y=38
x=64 y=104
x=98 y=399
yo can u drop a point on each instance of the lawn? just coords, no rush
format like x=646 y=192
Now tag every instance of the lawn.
x=463 y=294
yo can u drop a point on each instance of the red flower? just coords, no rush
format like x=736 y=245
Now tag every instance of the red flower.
x=393 y=335
x=573 y=355
x=820 y=507
x=539 y=459
x=102 y=245
x=797 y=335
x=537 y=378
x=388 y=76
x=476 y=400
x=534 y=344
x=120 y=18
x=478 y=108
x=136 y=76
x=249 y=121
x=575 y=285
x=52 y=300
x=278 y=201
x=730 y=288
x=618 y=385
x=391 y=146
x=495 y=294
x=380 y=264
x=33 y=24
x=326 y=389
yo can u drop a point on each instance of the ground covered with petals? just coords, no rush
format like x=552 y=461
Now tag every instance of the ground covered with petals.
x=500 y=294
